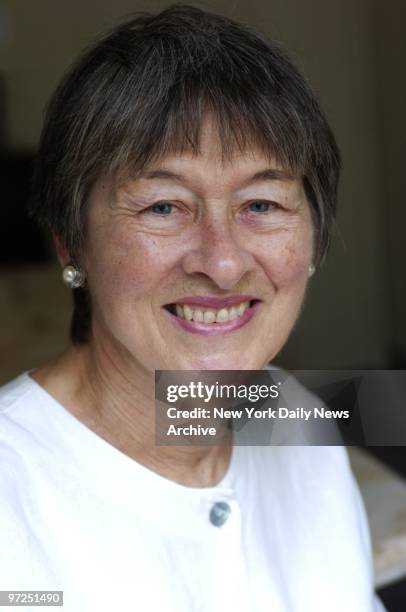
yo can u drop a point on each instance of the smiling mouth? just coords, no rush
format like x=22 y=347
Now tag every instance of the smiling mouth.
x=210 y=316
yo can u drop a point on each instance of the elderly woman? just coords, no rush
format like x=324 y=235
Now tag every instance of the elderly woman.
x=188 y=177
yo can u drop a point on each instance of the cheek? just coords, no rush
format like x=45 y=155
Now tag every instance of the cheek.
x=123 y=263
x=286 y=258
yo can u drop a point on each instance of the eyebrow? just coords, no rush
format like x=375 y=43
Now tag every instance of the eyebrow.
x=268 y=174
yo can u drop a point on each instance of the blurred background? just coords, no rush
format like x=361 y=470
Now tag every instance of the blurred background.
x=353 y=52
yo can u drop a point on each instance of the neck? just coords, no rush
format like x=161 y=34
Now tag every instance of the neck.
x=118 y=404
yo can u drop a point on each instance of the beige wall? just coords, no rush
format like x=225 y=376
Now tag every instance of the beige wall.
x=354 y=308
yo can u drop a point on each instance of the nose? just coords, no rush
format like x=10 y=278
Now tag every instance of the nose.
x=219 y=254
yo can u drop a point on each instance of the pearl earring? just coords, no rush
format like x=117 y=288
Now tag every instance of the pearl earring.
x=72 y=277
x=312 y=269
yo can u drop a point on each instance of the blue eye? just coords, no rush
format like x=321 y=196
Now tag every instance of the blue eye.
x=162 y=208
x=261 y=207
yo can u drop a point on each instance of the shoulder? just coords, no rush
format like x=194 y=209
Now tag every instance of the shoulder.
x=305 y=459
x=315 y=474
x=14 y=396
x=14 y=391
x=19 y=413
x=16 y=399
x=23 y=438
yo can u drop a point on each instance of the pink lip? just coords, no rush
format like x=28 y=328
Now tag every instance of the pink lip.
x=214 y=302
x=214 y=329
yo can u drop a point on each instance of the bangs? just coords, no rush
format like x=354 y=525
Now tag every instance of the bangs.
x=179 y=128
x=160 y=109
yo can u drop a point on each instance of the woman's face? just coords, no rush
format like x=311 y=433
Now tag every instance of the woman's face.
x=198 y=264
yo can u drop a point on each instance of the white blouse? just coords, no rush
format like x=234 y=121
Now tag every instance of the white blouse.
x=284 y=531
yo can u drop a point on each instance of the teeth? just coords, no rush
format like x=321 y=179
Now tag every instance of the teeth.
x=209 y=316
x=188 y=312
x=222 y=316
x=233 y=313
x=241 y=309
x=200 y=315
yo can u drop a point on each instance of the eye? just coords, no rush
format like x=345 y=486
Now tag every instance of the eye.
x=162 y=208
x=261 y=206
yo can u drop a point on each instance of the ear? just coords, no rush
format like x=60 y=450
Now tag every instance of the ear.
x=61 y=250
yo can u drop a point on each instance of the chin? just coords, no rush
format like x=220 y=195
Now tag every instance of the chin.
x=233 y=361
